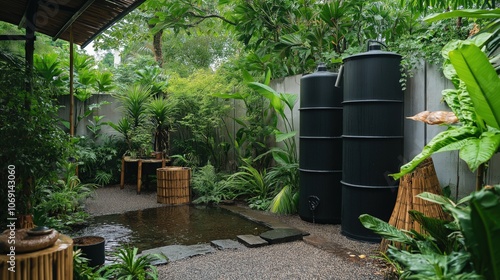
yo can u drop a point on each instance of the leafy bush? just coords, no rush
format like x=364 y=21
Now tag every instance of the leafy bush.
x=131 y=266
x=81 y=269
x=99 y=162
x=32 y=140
x=60 y=205
x=209 y=186
x=465 y=247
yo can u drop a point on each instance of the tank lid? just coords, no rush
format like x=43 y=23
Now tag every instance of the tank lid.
x=374 y=48
x=321 y=67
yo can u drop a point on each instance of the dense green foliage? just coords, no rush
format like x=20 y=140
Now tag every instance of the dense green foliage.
x=60 y=204
x=32 y=142
x=473 y=100
x=186 y=70
x=128 y=265
x=131 y=266
x=464 y=247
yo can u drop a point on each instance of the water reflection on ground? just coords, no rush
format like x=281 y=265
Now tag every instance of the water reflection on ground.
x=169 y=225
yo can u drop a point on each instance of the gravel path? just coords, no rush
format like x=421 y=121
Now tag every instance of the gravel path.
x=113 y=200
x=295 y=260
x=324 y=254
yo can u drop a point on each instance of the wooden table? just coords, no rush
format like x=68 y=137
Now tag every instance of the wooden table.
x=55 y=262
x=140 y=162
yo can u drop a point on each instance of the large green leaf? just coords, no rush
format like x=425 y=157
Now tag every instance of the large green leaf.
x=470 y=13
x=280 y=136
x=438 y=144
x=482 y=81
x=479 y=150
x=436 y=228
x=384 y=229
x=284 y=202
x=434 y=266
x=483 y=240
x=289 y=99
x=270 y=94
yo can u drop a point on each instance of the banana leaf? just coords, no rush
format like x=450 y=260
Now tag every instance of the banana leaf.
x=480 y=150
x=482 y=81
x=438 y=144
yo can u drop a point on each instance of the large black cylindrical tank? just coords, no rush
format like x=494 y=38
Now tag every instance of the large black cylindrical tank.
x=320 y=147
x=372 y=138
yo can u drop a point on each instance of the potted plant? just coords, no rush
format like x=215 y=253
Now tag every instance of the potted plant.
x=92 y=247
x=161 y=111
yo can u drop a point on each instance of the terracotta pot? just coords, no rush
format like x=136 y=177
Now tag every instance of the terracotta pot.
x=158 y=155
x=92 y=248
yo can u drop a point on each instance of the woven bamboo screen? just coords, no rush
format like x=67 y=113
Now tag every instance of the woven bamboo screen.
x=423 y=179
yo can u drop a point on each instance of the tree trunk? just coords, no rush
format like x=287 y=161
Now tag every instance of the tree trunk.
x=157 y=47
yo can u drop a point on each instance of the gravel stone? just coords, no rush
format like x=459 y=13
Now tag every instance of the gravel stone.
x=324 y=254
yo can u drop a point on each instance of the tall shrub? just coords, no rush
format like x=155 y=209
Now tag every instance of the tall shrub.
x=32 y=141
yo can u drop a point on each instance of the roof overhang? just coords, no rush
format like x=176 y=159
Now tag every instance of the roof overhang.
x=87 y=18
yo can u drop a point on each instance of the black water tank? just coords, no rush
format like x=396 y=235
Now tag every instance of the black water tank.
x=372 y=138
x=320 y=147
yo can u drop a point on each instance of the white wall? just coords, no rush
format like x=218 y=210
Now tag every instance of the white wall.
x=111 y=112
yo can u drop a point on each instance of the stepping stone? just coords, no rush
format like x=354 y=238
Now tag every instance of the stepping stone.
x=251 y=241
x=227 y=244
x=179 y=252
x=281 y=235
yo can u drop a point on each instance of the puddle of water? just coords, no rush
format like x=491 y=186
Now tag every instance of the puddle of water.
x=170 y=225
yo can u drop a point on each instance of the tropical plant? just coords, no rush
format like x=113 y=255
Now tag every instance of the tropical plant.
x=153 y=77
x=61 y=205
x=135 y=125
x=210 y=186
x=284 y=177
x=461 y=248
x=161 y=111
x=199 y=118
x=81 y=269
x=134 y=103
x=286 y=174
x=281 y=126
x=131 y=266
x=473 y=101
x=99 y=162
x=32 y=141
x=49 y=67
x=250 y=182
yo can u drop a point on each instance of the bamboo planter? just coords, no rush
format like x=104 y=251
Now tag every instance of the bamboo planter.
x=423 y=179
x=173 y=185
x=55 y=262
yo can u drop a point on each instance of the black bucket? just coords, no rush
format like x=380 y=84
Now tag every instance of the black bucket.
x=92 y=248
x=320 y=147
x=372 y=138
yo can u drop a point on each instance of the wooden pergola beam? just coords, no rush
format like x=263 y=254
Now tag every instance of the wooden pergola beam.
x=13 y=37
x=75 y=16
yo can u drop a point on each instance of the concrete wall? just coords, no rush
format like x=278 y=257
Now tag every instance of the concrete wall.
x=111 y=112
x=423 y=93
